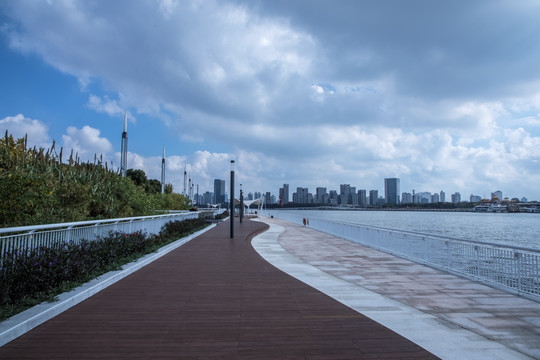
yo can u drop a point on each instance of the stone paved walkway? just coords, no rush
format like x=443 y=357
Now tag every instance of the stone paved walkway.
x=456 y=302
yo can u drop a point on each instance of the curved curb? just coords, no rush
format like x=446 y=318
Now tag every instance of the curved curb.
x=25 y=321
x=447 y=341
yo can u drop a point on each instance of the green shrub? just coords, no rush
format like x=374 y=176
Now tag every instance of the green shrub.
x=42 y=273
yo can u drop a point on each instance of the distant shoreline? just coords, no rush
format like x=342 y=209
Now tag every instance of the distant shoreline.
x=336 y=208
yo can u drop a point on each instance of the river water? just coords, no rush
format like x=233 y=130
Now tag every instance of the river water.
x=520 y=229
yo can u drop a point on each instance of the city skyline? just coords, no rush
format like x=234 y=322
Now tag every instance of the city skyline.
x=443 y=95
x=351 y=195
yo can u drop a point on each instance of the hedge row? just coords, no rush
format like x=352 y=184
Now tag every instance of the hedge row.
x=43 y=273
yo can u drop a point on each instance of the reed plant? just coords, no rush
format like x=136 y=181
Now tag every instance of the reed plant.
x=41 y=186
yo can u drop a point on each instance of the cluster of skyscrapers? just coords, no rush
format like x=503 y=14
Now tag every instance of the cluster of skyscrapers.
x=346 y=196
x=349 y=195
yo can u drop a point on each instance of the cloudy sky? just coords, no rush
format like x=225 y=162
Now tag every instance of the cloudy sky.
x=442 y=94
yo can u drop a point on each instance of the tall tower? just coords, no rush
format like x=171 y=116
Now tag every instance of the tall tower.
x=219 y=191
x=185 y=180
x=123 y=155
x=190 y=189
x=163 y=171
x=285 y=193
x=391 y=191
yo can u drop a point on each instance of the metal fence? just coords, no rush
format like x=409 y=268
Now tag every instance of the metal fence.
x=512 y=268
x=18 y=240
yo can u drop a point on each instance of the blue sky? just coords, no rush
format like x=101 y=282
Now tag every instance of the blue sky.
x=444 y=95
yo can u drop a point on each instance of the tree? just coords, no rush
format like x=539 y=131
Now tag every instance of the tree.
x=137 y=176
x=153 y=186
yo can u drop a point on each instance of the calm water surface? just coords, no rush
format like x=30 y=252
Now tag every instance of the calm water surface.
x=520 y=229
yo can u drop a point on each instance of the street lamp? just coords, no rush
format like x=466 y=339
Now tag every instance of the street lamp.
x=241 y=204
x=232 y=199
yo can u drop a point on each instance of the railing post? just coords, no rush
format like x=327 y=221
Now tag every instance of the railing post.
x=517 y=258
x=477 y=261
x=68 y=233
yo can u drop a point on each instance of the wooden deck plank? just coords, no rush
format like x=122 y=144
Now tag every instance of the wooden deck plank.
x=212 y=298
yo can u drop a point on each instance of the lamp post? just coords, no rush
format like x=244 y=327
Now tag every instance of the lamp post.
x=241 y=204
x=232 y=199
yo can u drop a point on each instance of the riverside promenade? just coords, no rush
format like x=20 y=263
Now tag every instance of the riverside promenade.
x=213 y=298
x=453 y=317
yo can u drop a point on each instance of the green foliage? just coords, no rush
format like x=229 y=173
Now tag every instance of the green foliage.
x=43 y=273
x=171 y=201
x=38 y=188
x=153 y=187
x=137 y=176
x=223 y=215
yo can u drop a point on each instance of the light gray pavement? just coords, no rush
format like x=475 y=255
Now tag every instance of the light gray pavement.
x=450 y=316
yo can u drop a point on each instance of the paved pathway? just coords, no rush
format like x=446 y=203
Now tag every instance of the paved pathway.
x=212 y=298
x=448 y=315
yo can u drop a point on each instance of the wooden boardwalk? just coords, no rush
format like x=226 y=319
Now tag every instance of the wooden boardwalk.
x=212 y=298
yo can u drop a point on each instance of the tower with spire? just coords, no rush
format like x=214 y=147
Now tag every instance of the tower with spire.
x=163 y=171
x=123 y=155
x=185 y=180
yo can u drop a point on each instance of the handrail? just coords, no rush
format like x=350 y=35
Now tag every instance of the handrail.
x=17 y=241
x=20 y=229
x=436 y=236
x=511 y=268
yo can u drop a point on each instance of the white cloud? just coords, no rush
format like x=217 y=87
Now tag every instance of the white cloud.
x=107 y=106
x=333 y=95
x=19 y=126
x=87 y=142
x=167 y=7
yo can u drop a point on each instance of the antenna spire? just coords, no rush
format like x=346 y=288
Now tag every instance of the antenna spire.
x=123 y=155
x=163 y=171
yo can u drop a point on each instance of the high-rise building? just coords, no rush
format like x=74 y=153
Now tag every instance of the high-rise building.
x=391 y=191
x=219 y=191
x=442 y=196
x=344 y=194
x=422 y=198
x=256 y=195
x=435 y=198
x=207 y=198
x=475 y=198
x=456 y=197
x=285 y=196
x=320 y=196
x=301 y=196
x=373 y=197
x=353 y=196
x=362 y=197
x=406 y=198
x=333 y=197
x=250 y=196
x=497 y=195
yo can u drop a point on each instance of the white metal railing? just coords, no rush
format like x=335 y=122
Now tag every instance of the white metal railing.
x=512 y=268
x=18 y=240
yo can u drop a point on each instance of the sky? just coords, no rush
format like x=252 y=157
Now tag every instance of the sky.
x=444 y=95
